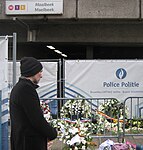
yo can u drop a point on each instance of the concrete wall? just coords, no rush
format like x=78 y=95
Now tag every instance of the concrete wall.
x=90 y=9
x=83 y=21
x=93 y=33
x=108 y=9
x=82 y=33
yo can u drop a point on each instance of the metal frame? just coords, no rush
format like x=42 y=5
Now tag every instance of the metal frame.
x=100 y=138
x=130 y=99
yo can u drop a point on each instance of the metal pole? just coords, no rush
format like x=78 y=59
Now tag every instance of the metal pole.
x=0 y=122
x=63 y=78
x=59 y=78
x=14 y=58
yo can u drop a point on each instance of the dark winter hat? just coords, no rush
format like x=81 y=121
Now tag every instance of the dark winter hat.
x=30 y=66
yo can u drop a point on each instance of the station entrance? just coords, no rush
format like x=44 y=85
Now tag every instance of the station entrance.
x=79 y=51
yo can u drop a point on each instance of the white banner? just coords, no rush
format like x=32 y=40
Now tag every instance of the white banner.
x=20 y=7
x=4 y=77
x=3 y=62
x=104 y=78
x=48 y=84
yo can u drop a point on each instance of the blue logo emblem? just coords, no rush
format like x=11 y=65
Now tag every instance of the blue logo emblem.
x=121 y=73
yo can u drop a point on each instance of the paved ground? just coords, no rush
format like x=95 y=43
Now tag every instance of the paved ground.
x=57 y=145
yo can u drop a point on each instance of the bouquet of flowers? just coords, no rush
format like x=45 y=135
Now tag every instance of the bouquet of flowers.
x=110 y=115
x=75 y=126
x=75 y=109
x=46 y=110
x=75 y=134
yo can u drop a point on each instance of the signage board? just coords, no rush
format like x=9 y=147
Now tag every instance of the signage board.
x=104 y=78
x=20 y=7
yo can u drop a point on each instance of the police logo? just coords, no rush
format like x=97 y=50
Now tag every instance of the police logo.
x=121 y=73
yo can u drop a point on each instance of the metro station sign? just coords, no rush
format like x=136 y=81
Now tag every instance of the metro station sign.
x=20 y=7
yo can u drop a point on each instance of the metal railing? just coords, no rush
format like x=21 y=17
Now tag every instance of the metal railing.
x=56 y=104
x=133 y=124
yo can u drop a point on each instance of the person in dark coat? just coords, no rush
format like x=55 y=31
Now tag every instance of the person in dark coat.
x=29 y=129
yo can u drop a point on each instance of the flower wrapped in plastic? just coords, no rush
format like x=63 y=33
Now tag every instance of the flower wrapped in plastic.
x=46 y=110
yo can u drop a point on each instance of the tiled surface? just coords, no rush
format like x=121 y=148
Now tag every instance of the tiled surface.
x=57 y=145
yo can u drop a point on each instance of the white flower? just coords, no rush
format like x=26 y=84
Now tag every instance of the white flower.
x=67 y=137
x=68 y=142
x=64 y=141
x=75 y=132
x=83 y=147
x=83 y=140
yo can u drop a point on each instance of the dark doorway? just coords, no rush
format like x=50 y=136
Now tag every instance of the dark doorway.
x=77 y=51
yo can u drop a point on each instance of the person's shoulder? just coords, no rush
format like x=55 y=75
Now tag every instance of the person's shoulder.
x=23 y=83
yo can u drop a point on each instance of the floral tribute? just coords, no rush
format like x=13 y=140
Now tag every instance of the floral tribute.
x=46 y=111
x=108 y=114
x=75 y=126
x=74 y=109
x=134 y=126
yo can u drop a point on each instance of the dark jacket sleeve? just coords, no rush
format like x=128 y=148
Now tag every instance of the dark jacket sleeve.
x=31 y=105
